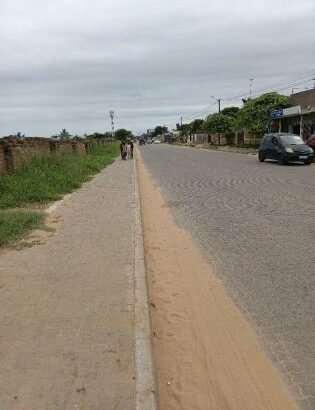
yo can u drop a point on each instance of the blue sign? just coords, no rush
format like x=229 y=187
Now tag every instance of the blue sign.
x=276 y=113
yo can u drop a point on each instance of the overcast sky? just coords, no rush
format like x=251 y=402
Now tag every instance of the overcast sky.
x=66 y=63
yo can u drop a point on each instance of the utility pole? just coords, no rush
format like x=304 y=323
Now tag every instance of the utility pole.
x=111 y=114
x=219 y=102
x=181 y=121
x=250 y=86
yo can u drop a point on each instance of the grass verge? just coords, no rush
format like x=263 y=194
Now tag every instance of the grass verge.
x=48 y=178
x=15 y=224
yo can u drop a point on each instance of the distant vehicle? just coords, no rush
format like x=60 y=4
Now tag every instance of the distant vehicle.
x=285 y=148
x=141 y=141
x=157 y=142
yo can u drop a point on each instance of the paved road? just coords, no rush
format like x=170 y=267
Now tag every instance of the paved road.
x=255 y=224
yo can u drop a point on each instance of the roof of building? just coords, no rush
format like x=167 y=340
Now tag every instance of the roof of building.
x=304 y=99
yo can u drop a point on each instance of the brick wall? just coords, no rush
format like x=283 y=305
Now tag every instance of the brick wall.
x=217 y=139
x=3 y=164
x=305 y=99
x=14 y=151
x=78 y=147
x=251 y=139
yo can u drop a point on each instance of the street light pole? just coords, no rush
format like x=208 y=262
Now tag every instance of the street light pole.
x=111 y=114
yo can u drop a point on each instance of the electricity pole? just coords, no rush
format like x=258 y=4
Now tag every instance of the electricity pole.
x=250 y=86
x=111 y=114
x=219 y=102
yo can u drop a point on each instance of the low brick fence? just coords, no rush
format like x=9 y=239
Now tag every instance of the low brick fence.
x=238 y=139
x=14 y=151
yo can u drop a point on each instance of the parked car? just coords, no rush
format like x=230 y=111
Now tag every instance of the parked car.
x=285 y=148
x=141 y=141
x=157 y=142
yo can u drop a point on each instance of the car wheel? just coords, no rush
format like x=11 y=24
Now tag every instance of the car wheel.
x=261 y=157
x=307 y=162
x=282 y=160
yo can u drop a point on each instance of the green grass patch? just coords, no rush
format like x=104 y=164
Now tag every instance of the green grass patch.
x=15 y=224
x=49 y=177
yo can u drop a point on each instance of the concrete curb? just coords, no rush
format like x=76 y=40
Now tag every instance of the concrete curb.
x=146 y=381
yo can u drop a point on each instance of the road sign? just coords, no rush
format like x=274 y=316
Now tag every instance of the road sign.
x=276 y=113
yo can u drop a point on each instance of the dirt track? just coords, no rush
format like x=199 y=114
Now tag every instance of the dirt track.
x=207 y=354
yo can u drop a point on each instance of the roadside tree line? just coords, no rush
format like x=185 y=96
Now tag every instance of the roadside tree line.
x=252 y=117
x=121 y=134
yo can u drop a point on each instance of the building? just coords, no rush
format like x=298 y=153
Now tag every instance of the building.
x=299 y=118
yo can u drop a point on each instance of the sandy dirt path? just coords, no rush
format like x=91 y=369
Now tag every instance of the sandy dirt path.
x=206 y=353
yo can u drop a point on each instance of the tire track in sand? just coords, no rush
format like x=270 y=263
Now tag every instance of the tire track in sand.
x=206 y=353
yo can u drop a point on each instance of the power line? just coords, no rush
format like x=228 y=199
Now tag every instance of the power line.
x=299 y=79
x=280 y=85
x=197 y=112
x=200 y=111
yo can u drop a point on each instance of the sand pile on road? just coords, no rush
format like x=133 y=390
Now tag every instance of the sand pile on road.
x=206 y=353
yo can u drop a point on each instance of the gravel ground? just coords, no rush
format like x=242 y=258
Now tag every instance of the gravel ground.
x=255 y=224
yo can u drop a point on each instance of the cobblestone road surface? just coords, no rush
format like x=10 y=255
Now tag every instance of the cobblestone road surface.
x=255 y=223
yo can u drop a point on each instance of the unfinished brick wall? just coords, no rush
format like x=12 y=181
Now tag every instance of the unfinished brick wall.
x=251 y=139
x=78 y=147
x=14 y=151
x=64 y=147
x=3 y=163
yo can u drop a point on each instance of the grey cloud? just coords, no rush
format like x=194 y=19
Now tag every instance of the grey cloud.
x=65 y=63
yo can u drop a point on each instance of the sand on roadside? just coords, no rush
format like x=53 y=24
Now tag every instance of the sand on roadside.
x=206 y=353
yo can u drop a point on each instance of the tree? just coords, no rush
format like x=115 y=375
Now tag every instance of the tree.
x=253 y=117
x=231 y=111
x=159 y=130
x=219 y=123
x=64 y=135
x=196 y=126
x=123 y=134
x=99 y=135
x=184 y=130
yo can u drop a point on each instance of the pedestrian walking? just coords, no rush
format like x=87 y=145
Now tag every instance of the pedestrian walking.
x=131 y=148
x=128 y=148
x=123 y=150
x=121 y=146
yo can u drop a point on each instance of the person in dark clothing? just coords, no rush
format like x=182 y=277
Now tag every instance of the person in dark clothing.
x=123 y=151
x=131 y=148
